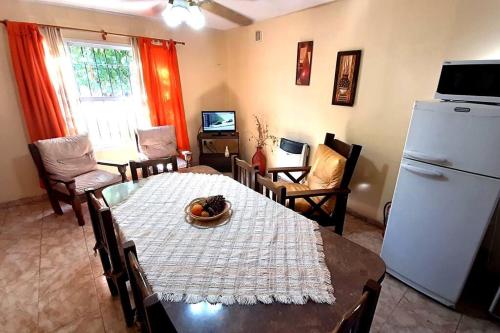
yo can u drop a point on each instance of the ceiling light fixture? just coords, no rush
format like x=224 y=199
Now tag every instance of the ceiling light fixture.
x=179 y=11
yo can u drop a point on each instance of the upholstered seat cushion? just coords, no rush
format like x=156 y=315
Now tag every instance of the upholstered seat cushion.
x=157 y=142
x=68 y=156
x=301 y=205
x=326 y=172
x=94 y=179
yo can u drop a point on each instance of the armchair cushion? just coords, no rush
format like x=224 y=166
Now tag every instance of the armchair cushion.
x=326 y=172
x=157 y=142
x=301 y=205
x=95 y=179
x=68 y=156
x=327 y=169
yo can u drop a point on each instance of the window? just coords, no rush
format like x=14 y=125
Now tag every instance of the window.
x=110 y=106
x=101 y=71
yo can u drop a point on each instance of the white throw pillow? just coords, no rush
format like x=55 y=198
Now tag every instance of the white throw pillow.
x=69 y=156
x=157 y=142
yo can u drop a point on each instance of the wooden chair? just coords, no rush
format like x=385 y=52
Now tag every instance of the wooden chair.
x=71 y=190
x=325 y=205
x=109 y=246
x=360 y=317
x=270 y=189
x=160 y=142
x=243 y=172
x=150 y=312
x=153 y=167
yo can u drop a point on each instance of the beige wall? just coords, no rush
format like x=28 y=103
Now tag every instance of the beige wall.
x=404 y=43
x=201 y=64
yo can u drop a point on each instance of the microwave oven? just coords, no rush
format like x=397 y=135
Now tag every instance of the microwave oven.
x=470 y=81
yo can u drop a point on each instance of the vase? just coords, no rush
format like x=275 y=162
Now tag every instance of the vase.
x=259 y=159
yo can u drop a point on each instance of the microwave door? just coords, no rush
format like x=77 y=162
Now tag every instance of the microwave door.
x=475 y=81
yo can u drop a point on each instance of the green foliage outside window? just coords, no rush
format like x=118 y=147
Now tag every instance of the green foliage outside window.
x=101 y=71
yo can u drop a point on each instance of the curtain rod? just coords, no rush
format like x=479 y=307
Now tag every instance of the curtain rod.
x=102 y=32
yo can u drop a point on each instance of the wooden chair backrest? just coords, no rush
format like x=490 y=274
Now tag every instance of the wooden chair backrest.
x=350 y=152
x=150 y=311
x=94 y=218
x=105 y=225
x=359 y=318
x=37 y=158
x=268 y=188
x=243 y=172
x=150 y=167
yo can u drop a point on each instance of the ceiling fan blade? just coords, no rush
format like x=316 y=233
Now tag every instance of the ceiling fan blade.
x=158 y=9
x=225 y=12
x=152 y=8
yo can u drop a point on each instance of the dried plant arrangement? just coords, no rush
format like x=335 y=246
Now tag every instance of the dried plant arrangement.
x=263 y=136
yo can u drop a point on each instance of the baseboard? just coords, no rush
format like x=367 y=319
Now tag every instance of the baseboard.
x=366 y=219
x=24 y=201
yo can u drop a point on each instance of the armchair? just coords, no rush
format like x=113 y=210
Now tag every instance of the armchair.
x=160 y=142
x=67 y=166
x=323 y=195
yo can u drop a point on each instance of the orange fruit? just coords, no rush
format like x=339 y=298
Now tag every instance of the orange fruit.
x=205 y=213
x=196 y=209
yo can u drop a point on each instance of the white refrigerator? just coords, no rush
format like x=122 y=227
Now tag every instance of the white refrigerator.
x=447 y=189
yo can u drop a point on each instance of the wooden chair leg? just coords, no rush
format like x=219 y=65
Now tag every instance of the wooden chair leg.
x=128 y=313
x=339 y=214
x=77 y=207
x=56 y=206
x=106 y=266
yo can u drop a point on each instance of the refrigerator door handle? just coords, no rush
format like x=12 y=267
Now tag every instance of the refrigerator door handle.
x=424 y=157
x=422 y=171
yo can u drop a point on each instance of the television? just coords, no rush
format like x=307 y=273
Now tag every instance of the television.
x=218 y=121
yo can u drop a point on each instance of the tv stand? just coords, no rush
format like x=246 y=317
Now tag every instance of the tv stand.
x=219 y=134
x=212 y=146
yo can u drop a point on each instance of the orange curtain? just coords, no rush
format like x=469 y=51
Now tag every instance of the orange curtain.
x=41 y=109
x=162 y=82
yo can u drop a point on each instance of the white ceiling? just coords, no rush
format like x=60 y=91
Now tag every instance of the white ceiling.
x=257 y=10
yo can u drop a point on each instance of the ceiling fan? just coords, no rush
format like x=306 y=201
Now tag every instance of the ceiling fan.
x=175 y=12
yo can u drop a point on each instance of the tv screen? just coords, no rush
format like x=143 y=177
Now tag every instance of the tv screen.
x=218 y=121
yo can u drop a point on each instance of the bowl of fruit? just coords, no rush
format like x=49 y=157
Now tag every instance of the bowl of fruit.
x=208 y=209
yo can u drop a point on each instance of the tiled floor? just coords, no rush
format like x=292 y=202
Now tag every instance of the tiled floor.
x=402 y=309
x=50 y=281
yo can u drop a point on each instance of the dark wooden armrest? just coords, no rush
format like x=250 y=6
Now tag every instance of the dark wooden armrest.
x=154 y=161
x=267 y=182
x=114 y=164
x=289 y=169
x=317 y=193
x=122 y=168
x=61 y=179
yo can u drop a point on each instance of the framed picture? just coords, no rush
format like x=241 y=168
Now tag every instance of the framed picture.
x=304 y=63
x=346 y=77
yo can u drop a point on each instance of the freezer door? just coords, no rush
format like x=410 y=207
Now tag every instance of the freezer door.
x=437 y=221
x=462 y=136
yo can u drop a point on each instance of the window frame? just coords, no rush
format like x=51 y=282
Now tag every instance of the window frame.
x=106 y=45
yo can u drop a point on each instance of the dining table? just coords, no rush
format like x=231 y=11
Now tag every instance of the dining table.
x=350 y=265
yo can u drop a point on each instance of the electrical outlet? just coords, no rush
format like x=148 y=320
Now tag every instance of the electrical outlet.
x=259 y=36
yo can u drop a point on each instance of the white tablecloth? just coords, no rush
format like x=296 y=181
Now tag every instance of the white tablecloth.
x=266 y=253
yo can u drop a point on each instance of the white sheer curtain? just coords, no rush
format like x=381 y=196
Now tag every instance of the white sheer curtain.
x=138 y=78
x=59 y=66
x=110 y=122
